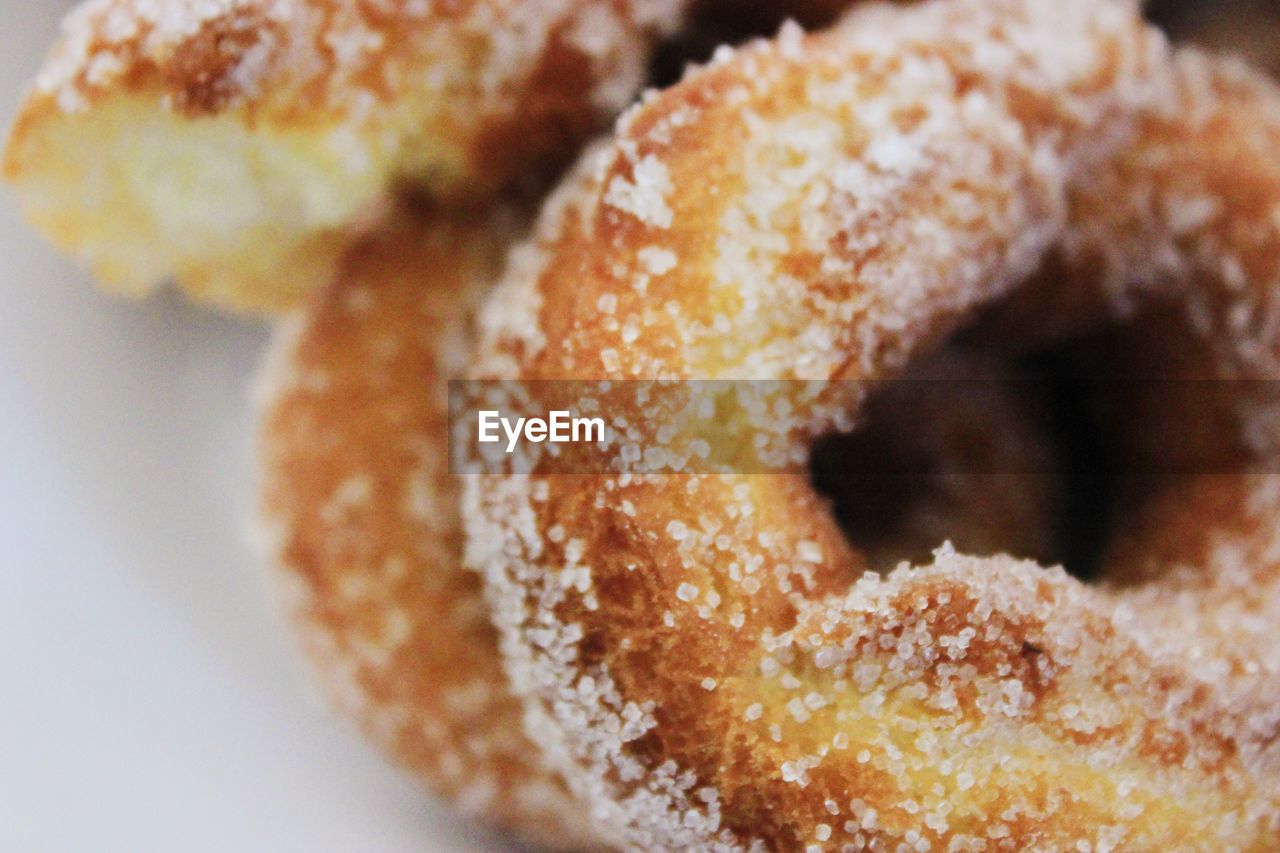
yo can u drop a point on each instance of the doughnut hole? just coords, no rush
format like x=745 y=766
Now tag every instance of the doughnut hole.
x=1246 y=28
x=962 y=450
x=1040 y=454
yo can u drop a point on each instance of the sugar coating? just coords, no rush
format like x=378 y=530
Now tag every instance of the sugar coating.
x=343 y=57
x=837 y=204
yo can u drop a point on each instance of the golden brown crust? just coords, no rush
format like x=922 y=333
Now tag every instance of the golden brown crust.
x=831 y=207
x=363 y=525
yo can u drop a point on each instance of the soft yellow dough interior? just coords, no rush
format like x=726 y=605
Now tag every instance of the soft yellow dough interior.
x=247 y=217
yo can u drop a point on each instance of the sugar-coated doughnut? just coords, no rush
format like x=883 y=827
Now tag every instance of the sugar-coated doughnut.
x=235 y=144
x=697 y=651
x=362 y=522
x=364 y=531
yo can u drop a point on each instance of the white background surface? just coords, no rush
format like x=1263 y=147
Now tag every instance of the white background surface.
x=149 y=697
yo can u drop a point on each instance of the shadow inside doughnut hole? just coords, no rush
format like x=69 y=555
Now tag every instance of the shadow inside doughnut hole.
x=1246 y=28
x=712 y=23
x=1047 y=457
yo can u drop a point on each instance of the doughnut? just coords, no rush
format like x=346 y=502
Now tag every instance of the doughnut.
x=362 y=522
x=361 y=519
x=236 y=145
x=719 y=671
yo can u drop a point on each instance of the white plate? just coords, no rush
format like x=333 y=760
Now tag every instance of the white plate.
x=149 y=698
